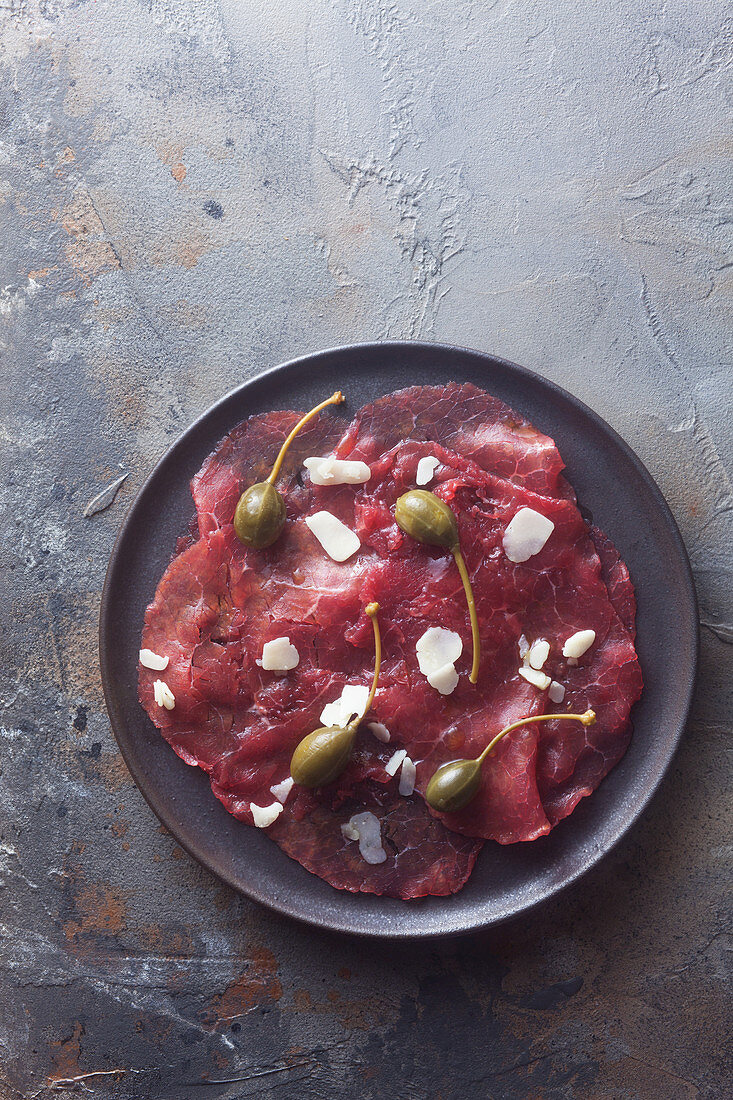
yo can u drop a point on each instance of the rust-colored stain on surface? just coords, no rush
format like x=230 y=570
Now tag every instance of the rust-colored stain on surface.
x=65 y=1054
x=591 y=244
x=88 y=250
x=166 y=942
x=353 y=1015
x=95 y=908
x=258 y=984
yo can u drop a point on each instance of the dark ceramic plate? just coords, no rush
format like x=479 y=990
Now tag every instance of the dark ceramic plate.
x=611 y=484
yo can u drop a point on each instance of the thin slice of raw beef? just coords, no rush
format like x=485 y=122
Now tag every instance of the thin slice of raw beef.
x=246 y=455
x=218 y=604
x=466 y=420
x=616 y=579
x=422 y=855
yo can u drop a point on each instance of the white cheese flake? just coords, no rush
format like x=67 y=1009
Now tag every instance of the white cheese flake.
x=408 y=775
x=534 y=676
x=393 y=764
x=578 y=643
x=438 y=647
x=523 y=646
x=426 y=468
x=437 y=651
x=335 y=537
x=279 y=655
x=444 y=680
x=526 y=534
x=148 y=659
x=263 y=816
x=556 y=692
x=337 y=471
x=379 y=730
x=365 y=828
x=352 y=701
x=282 y=790
x=163 y=695
x=539 y=652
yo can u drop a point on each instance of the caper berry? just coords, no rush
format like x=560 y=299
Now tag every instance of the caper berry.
x=427 y=518
x=455 y=784
x=259 y=516
x=322 y=755
x=260 y=513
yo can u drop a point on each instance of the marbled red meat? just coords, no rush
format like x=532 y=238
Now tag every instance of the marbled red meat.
x=218 y=604
x=616 y=579
x=423 y=856
x=246 y=455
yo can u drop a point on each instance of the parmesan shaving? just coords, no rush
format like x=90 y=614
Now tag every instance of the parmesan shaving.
x=393 y=764
x=337 y=471
x=437 y=651
x=352 y=701
x=335 y=537
x=282 y=790
x=444 y=680
x=538 y=653
x=556 y=692
x=578 y=643
x=526 y=534
x=148 y=659
x=163 y=695
x=279 y=655
x=426 y=468
x=264 y=816
x=534 y=676
x=408 y=775
x=365 y=828
x=379 y=730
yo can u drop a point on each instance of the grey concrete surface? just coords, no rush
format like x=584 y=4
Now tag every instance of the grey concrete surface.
x=192 y=191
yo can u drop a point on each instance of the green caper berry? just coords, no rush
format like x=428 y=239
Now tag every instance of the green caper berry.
x=260 y=516
x=322 y=755
x=453 y=786
x=425 y=517
x=260 y=513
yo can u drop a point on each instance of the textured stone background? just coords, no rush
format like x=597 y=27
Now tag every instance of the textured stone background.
x=194 y=190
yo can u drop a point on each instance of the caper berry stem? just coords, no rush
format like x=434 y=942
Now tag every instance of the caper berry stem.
x=457 y=783
x=587 y=719
x=428 y=519
x=260 y=514
x=321 y=756
x=372 y=610
x=336 y=399
x=475 y=636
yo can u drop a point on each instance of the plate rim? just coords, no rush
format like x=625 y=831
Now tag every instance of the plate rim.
x=282 y=906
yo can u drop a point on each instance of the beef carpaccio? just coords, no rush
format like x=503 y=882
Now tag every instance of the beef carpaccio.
x=218 y=603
